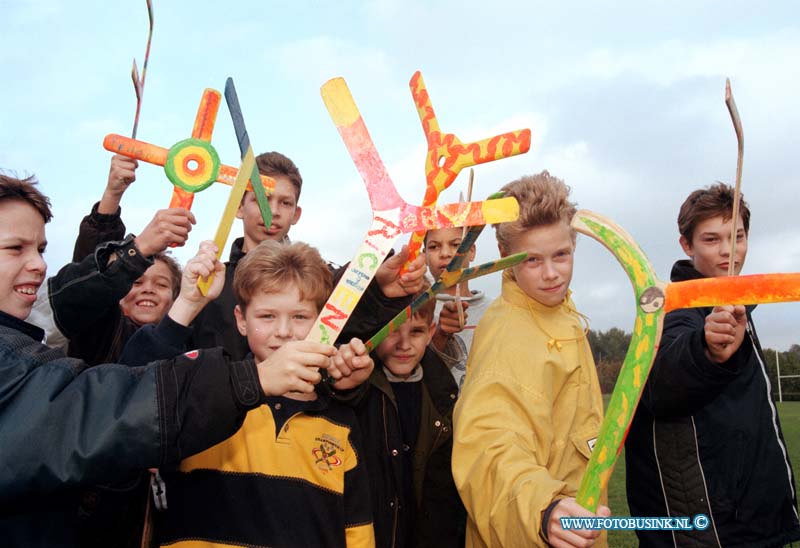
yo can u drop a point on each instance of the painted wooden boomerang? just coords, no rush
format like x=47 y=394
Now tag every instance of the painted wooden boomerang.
x=452 y=275
x=654 y=298
x=193 y=164
x=447 y=155
x=391 y=215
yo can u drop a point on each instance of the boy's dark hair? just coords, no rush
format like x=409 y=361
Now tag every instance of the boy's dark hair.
x=705 y=203
x=273 y=266
x=543 y=200
x=23 y=190
x=274 y=163
x=174 y=270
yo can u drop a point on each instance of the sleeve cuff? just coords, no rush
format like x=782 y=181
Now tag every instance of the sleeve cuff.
x=126 y=253
x=107 y=219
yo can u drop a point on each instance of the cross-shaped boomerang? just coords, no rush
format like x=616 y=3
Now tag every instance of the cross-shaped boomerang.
x=391 y=215
x=452 y=275
x=447 y=155
x=193 y=164
x=654 y=299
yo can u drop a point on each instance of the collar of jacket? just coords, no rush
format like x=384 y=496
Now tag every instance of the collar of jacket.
x=32 y=331
x=514 y=294
x=550 y=320
x=238 y=252
x=436 y=378
x=684 y=270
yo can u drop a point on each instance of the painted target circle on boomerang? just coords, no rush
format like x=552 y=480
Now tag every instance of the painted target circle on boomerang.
x=192 y=164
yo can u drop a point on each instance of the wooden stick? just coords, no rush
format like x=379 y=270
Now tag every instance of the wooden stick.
x=461 y=320
x=138 y=84
x=737 y=126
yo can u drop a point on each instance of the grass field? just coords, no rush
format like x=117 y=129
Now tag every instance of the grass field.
x=790 y=421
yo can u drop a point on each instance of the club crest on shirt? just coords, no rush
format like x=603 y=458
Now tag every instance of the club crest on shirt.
x=327 y=452
x=192 y=354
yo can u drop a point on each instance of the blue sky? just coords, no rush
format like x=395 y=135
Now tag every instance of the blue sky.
x=624 y=99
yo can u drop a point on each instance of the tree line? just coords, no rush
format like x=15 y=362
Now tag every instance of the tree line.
x=609 y=349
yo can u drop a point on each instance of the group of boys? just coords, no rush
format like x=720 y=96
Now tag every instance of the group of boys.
x=223 y=394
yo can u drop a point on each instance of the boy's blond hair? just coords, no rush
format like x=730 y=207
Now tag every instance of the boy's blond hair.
x=272 y=266
x=543 y=200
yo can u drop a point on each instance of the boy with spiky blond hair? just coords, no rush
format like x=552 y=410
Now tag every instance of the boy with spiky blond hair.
x=293 y=474
x=531 y=407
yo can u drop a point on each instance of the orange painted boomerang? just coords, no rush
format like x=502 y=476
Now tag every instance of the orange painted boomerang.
x=202 y=131
x=751 y=289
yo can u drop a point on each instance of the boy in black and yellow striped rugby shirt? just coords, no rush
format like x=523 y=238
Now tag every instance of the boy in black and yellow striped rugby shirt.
x=292 y=475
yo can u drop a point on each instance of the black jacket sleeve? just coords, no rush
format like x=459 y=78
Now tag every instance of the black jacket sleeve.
x=63 y=424
x=97 y=228
x=373 y=311
x=90 y=288
x=152 y=342
x=683 y=379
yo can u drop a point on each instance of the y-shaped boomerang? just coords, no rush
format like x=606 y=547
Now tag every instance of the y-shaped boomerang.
x=391 y=215
x=447 y=155
x=193 y=164
x=654 y=299
x=452 y=275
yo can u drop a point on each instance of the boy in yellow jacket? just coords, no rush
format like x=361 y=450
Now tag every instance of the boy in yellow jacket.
x=531 y=406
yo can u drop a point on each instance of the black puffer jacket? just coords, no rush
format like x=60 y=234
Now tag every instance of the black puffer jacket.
x=437 y=517
x=65 y=425
x=706 y=439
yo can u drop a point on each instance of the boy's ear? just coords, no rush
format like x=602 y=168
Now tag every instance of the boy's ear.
x=297 y=212
x=431 y=331
x=686 y=245
x=502 y=253
x=241 y=323
x=240 y=212
x=471 y=253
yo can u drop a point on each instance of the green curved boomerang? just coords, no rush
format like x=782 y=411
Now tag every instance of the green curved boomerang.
x=649 y=292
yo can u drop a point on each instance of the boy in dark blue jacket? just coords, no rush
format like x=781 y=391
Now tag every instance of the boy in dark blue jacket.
x=706 y=438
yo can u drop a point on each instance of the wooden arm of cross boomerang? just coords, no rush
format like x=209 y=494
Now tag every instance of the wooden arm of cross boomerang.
x=646 y=335
x=154 y=154
x=447 y=155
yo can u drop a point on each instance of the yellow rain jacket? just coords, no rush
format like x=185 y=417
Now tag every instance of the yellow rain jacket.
x=528 y=415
